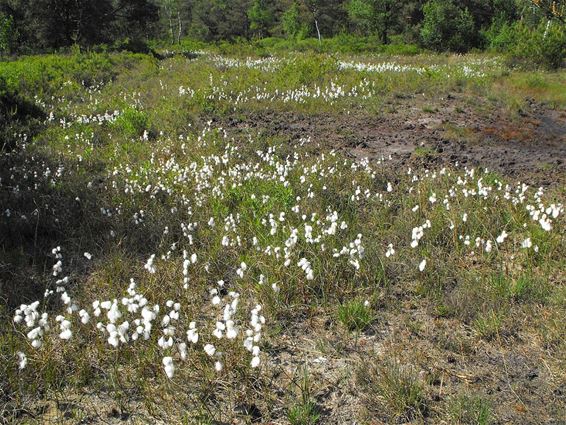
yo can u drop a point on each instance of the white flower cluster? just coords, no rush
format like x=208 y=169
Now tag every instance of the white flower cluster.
x=268 y=64
x=285 y=218
x=418 y=233
x=132 y=318
x=35 y=321
x=306 y=266
x=355 y=250
x=253 y=335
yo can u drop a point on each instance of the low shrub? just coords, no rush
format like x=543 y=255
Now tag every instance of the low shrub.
x=132 y=122
x=542 y=46
x=447 y=26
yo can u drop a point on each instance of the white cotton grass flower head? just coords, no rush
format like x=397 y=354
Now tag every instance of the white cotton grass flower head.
x=149 y=264
x=418 y=232
x=501 y=238
x=253 y=335
x=219 y=330
x=422 y=265
x=186 y=263
x=240 y=271
x=57 y=268
x=85 y=317
x=215 y=298
x=255 y=359
x=182 y=347
x=57 y=252
x=545 y=223
x=65 y=298
x=29 y=315
x=306 y=266
x=192 y=333
x=88 y=255
x=169 y=366
x=65 y=327
x=231 y=330
x=209 y=349
x=22 y=360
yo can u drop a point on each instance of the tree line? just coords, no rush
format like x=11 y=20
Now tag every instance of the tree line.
x=455 y=25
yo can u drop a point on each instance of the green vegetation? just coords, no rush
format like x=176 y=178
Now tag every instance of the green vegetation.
x=355 y=315
x=393 y=390
x=6 y=33
x=303 y=414
x=132 y=122
x=209 y=185
x=530 y=32
x=304 y=411
x=447 y=26
x=45 y=75
x=470 y=410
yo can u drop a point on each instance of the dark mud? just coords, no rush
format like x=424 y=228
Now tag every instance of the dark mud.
x=530 y=146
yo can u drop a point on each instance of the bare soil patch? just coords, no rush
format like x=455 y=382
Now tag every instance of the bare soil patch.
x=530 y=147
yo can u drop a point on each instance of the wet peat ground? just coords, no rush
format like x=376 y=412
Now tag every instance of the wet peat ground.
x=530 y=147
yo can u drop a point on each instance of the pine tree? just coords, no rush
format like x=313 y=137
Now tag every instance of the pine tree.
x=260 y=17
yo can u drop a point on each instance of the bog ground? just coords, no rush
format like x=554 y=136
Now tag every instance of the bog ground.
x=294 y=239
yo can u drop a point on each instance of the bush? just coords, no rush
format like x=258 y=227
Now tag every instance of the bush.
x=400 y=49
x=44 y=75
x=132 y=122
x=500 y=37
x=343 y=43
x=134 y=45
x=305 y=69
x=191 y=45
x=531 y=47
x=17 y=115
x=447 y=27
x=7 y=33
x=293 y=25
x=543 y=46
